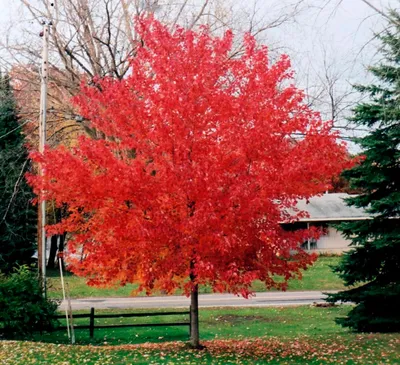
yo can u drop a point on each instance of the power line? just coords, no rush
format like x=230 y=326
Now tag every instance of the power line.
x=13 y=130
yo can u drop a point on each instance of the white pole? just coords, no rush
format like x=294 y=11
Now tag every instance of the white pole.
x=42 y=141
x=71 y=318
x=60 y=255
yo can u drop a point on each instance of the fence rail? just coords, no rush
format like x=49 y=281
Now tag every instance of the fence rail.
x=92 y=317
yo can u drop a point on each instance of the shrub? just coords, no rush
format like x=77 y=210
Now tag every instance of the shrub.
x=23 y=309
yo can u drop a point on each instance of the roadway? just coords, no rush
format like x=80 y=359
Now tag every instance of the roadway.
x=266 y=299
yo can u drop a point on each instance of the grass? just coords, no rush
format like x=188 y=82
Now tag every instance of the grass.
x=286 y=335
x=215 y=323
x=318 y=277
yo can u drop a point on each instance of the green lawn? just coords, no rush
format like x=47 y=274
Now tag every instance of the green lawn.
x=318 y=277
x=215 y=323
x=286 y=335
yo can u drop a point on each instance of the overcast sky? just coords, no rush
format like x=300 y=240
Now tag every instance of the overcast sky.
x=338 y=28
x=343 y=25
x=337 y=32
x=342 y=28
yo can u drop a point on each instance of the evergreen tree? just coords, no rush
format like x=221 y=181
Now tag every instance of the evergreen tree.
x=373 y=265
x=17 y=215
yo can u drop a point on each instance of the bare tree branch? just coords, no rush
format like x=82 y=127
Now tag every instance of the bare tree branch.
x=382 y=13
x=15 y=191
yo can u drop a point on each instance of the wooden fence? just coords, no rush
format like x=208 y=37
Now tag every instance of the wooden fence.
x=92 y=317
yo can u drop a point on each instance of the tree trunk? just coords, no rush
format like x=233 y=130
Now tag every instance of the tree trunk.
x=61 y=249
x=194 y=318
x=53 y=252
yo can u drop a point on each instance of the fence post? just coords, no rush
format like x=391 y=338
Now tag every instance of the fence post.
x=91 y=323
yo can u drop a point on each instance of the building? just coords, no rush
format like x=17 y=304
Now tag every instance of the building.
x=325 y=212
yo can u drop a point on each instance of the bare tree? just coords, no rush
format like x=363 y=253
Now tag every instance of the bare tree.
x=331 y=91
x=328 y=74
x=92 y=38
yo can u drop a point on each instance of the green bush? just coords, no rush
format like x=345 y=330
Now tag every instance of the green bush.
x=23 y=309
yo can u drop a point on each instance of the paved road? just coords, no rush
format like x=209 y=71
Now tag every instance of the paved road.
x=205 y=300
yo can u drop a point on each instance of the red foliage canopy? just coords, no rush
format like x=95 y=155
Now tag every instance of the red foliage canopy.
x=199 y=165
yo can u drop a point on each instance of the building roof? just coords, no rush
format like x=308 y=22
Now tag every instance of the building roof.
x=330 y=207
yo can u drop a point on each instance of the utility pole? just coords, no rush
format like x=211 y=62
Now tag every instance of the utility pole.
x=42 y=140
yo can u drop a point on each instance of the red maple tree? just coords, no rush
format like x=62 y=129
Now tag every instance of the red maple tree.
x=204 y=156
